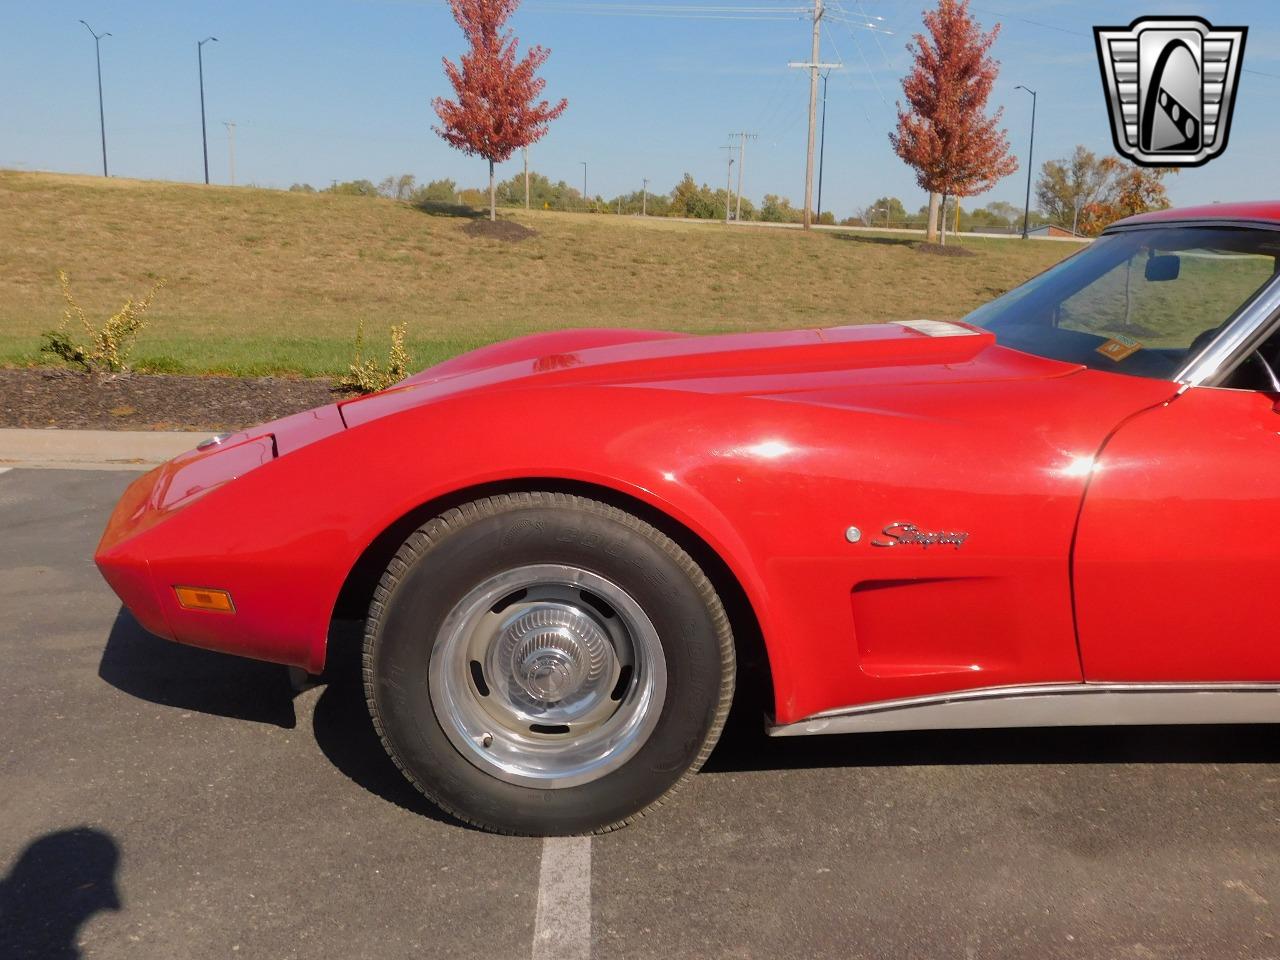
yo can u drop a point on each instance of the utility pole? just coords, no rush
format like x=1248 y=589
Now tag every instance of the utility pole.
x=728 y=190
x=102 y=121
x=526 y=178
x=585 y=205
x=231 y=146
x=742 y=162
x=822 y=150
x=813 y=111
x=813 y=66
x=1026 y=210
x=204 y=131
x=644 y=199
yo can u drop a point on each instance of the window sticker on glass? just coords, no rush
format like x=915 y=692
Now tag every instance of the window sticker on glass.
x=1119 y=348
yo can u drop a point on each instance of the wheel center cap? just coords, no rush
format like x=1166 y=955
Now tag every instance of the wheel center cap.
x=554 y=652
x=548 y=676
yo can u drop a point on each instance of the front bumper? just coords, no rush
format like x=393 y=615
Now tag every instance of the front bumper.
x=190 y=523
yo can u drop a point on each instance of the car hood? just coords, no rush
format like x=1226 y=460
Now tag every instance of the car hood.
x=760 y=364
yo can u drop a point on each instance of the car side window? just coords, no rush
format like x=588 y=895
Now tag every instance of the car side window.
x=1255 y=372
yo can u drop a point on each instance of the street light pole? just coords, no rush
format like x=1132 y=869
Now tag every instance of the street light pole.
x=1026 y=210
x=204 y=133
x=102 y=122
x=585 y=205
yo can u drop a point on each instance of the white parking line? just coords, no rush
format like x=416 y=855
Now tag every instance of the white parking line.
x=562 y=926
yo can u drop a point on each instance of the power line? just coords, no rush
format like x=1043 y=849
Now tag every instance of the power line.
x=671 y=11
x=853 y=86
x=1080 y=33
x=1034 y=23
x=782 y=107
x=875 y=81
x=769 y=103
x=876 y=36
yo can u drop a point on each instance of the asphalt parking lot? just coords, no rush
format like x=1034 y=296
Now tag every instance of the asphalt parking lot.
x=160 y=801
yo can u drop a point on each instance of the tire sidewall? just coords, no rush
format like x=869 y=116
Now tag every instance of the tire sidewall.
x=498 y=537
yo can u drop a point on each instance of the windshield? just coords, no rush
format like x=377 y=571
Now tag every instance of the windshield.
x=1140 y=302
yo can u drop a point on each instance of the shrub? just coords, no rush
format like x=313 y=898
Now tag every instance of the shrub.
x=368 y=376
x=437 y=191
x=110 y=345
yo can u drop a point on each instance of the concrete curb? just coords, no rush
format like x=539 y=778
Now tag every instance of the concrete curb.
x=92 y=449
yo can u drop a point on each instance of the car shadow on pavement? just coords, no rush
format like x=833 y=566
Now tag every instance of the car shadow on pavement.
x=345 y=733
x=54 y=888
x=745 y=746
x=188 y=678
x=175 y=675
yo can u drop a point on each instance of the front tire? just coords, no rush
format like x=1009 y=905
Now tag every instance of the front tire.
x=545 y=664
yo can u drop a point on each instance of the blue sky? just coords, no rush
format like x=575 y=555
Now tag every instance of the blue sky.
x=340 y=89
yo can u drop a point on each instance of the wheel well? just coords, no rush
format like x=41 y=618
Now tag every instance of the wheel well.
x=755 y=682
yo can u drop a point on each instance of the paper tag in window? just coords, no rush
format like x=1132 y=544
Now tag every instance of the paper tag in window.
x=1120 y=348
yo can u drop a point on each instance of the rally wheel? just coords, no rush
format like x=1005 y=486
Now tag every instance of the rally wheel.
x=545 y=664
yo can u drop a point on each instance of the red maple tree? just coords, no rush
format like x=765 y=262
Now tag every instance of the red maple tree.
x=1134 y=190
x=497 y=110
x=943 y=132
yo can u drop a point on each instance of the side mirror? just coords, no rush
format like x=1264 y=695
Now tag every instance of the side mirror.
x=1163 y=267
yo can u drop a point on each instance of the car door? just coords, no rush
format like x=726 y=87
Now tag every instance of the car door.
x=1177 y=558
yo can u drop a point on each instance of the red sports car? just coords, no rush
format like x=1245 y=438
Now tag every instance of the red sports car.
x=567 y=548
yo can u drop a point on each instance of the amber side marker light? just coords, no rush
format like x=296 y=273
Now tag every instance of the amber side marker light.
x=203 y=598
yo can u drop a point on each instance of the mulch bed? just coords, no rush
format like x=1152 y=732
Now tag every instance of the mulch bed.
x=939 y=250
x=63 y=398
x=499 y=230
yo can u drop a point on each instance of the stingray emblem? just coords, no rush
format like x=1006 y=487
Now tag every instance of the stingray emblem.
x=909 y=535
x=1170 y=84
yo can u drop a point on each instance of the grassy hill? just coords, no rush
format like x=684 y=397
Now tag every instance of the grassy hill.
x=263 y=281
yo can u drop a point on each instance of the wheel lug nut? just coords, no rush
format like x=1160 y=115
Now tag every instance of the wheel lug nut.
x=486 y=741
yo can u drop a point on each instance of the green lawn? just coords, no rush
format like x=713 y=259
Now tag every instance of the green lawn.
x=268 y=282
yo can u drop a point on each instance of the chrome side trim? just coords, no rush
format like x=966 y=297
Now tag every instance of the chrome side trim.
x=1053 y=705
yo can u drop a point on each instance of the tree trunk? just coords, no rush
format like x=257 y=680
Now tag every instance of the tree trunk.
x=493 y=195
x=931 y=235
x=942 y=234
